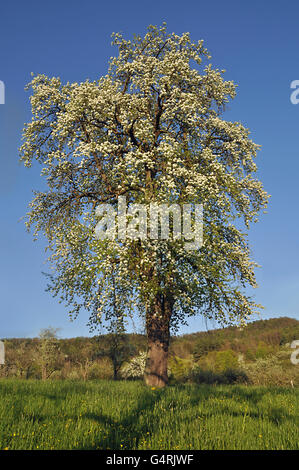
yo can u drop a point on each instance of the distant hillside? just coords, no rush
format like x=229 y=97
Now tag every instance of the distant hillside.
x=272 y=332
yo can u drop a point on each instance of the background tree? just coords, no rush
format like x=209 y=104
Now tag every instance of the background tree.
x=119 y=351
x=150 y=130
x=47 y=355
x=119 y=348
x=84 y=359
x=18 y=358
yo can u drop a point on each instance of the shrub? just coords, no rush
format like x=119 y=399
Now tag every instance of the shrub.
x=179 y=368
x=274 y=370
x=101 y=369
x=235 y=376
x=74 y=374
x=263 y=350
x=250 y=355
x=200 y=376
x=209 y=377
x=135 y=368
x=227 y=359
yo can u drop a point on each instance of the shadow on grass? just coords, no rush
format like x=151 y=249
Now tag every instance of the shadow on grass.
x=247 y=395
x=127 y=432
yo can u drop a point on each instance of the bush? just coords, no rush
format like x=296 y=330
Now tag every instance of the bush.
x=179 y=368
x=101 y=369
x=135 y=368
x=209 y=377
x=200 y=376
x=74 y=374
x=263 y=350
x=227 y=359
x=235 y=376
x=275 y=370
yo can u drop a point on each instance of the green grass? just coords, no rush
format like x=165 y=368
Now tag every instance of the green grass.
x=127 y=415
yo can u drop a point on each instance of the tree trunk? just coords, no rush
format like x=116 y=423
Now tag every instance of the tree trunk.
x=44 y=372
x=115 y=371
x=157 y=325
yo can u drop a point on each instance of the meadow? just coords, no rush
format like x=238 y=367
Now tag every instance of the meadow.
x=117 y=415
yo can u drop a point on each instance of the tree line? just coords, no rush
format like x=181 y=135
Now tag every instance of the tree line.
x=221 y=355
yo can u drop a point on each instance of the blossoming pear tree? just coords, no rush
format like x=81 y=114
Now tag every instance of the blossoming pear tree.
x=151 y=131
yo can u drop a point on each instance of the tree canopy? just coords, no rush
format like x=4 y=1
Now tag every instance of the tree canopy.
x=150 y=131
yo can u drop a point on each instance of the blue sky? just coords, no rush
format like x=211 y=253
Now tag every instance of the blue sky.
x=258 y=45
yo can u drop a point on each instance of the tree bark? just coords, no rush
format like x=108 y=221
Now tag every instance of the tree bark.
x=158 y=335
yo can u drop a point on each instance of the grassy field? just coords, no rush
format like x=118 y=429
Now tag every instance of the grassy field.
x=127 y=415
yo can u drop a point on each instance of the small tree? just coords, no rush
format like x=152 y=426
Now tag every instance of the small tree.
x=119 y=348
x=18 y=358
x=149 y=132
x=84 y=359
x=22 y=358
x=47 y=355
